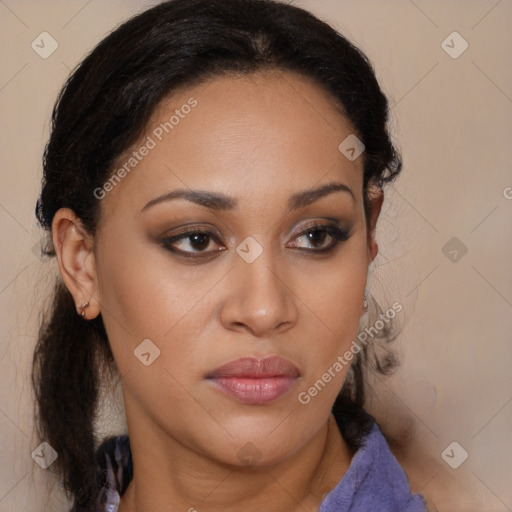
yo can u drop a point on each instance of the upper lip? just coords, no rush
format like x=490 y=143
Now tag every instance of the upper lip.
x=254 y=368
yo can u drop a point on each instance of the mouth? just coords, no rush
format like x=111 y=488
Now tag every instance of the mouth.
x=255 y=381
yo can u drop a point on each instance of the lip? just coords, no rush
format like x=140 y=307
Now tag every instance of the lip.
x=255 y=381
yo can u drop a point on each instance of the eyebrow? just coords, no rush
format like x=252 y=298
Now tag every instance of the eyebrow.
x=219 y=201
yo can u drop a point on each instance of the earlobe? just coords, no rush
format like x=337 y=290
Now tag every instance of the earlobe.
x=75 y=256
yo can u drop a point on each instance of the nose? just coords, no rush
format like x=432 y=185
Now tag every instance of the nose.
x=261 y=301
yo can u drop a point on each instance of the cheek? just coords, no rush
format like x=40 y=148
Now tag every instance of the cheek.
x=334 y=296
x=330 y=352
x=331 y=313
x=146 y=311
x=143 y=296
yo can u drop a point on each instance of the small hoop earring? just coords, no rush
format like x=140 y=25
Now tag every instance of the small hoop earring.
x=365 y=302
x=82 y=309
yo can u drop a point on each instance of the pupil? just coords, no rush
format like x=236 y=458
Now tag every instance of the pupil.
x=316 y=236
x=200 y=241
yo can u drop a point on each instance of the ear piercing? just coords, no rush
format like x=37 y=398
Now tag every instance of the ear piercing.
x=83 y=306
x=82 y=309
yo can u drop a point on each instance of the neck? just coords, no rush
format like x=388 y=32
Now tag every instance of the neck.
x=168 y=476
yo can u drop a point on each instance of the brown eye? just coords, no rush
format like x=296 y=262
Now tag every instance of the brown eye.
x=313 y=238
x=191 y=243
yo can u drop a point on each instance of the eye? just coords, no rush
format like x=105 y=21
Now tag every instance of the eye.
x=198 y=241
x=317 y=236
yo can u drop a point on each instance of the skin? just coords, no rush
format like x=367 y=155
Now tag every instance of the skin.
x=258 y=139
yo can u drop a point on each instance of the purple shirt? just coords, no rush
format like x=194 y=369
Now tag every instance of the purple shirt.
x=374 y=481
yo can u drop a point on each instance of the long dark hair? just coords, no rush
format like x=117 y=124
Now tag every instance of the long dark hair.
x=104 y=108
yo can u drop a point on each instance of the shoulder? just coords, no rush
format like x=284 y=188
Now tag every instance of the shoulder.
x=375 y=479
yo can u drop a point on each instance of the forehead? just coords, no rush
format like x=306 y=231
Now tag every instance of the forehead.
x=263 y=134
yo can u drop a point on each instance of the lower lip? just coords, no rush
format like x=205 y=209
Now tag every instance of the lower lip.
x=254 y=391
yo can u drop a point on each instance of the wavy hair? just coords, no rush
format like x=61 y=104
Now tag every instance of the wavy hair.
x=105 y=106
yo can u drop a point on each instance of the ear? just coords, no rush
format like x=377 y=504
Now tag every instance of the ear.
x=75 y=255
x=375 y=200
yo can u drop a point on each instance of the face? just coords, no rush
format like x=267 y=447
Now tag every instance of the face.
x=238 y=235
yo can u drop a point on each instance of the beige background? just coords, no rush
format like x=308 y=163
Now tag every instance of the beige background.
x=452 y=118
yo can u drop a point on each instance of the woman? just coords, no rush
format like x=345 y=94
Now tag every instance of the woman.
x=212 y=185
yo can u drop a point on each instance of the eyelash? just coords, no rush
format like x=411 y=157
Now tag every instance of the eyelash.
x=337 y=234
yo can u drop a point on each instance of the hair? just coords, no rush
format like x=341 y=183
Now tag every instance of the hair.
x=103 y=109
